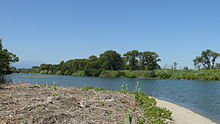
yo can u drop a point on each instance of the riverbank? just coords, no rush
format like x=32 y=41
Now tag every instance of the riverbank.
x=187 y=74
x=43 y=104
x=182 y=115
x=28 y=103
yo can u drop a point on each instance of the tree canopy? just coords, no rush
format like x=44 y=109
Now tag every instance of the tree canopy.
x=207 y=59
x=149 y=60
x=93 y=65
x=132 y=59
x=111 y=60
x=6 y=58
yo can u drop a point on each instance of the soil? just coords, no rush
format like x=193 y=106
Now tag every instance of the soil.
x=23 y=103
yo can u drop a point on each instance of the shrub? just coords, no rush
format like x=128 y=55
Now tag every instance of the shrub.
x=92 y=72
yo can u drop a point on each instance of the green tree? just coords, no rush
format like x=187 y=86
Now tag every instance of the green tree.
x=207 y=59
x=93 y=63
x=111 y=60
x=6 y=58
x=132 y=59
x=148 y=60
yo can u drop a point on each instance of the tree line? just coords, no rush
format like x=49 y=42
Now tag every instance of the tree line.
x=109 y=60
x=113 y=61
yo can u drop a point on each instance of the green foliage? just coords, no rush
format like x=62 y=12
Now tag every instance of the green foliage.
x=78 y=73
x=111 y=60
x=87 y=88
x=111 y=74
x=140 y=120
x=132 y=59
x=92 y=72
x=6 y=58
x=99 y=89
x=148 y=60
x=154 y=114
x=140 y=65
x=137 y=87
x=130 y=118
x=207 y=59
x=108 y=64
x=59 y=72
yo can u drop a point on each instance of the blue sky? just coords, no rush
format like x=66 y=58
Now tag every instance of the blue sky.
x=48 y=31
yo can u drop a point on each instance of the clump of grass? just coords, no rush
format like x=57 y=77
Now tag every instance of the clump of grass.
x=87 y=88
x=130 y=118
x=91 y=87
x=140 y=120
x=99 y=89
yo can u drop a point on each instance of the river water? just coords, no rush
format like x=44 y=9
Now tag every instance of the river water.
x=202 y=97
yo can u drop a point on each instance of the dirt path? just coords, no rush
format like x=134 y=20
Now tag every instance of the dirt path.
x=182 y=115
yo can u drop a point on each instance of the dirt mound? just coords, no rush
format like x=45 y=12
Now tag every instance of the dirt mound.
x=28 y=103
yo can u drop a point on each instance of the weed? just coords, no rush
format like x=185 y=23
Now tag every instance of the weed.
x=108 y=112
x=124 y=87
x=130 y=117
x=140 y=120
x=101 y=103
x=87 y=88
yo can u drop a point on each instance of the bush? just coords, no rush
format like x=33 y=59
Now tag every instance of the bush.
x=78 y=73
x=110 y=74
x=92 y=72
x=59 y=72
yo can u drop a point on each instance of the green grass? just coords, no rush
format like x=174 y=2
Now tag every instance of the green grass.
x=204 y=74
x=154 y=114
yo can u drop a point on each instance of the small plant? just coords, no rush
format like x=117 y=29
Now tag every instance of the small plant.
x=101 y=103
x=130 y=117
x=137 y=87
x=108 y=112
x=124 y=87
x=99 y=89
x=140 y=120
x=87 y=88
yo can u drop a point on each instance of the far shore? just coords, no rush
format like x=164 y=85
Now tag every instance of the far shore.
x=182 y=115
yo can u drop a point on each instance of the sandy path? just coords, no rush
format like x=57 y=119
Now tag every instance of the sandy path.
x=182 y=115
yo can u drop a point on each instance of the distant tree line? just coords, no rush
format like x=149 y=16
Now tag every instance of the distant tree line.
x=6 y=58
x=112 y=61
x=93 y=66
